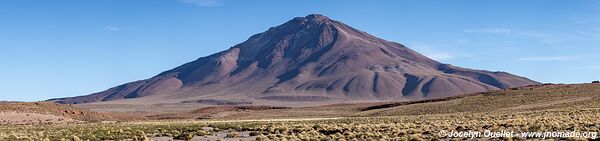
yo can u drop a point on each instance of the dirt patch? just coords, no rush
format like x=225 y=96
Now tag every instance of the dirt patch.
x=235 y=108
x=222 y=135
x=295 y=98
x=219 y=102
x=212 y=112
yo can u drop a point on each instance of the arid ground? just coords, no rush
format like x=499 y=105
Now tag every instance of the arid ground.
x=532 y=108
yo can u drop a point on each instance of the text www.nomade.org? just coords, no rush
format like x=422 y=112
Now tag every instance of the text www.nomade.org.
x=510 y=134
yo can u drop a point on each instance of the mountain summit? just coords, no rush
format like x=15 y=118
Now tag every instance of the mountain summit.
x=310 y=59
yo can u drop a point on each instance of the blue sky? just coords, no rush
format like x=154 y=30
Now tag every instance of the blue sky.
x=65 y=48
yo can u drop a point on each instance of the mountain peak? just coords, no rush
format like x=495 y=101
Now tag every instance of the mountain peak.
x=317 y=18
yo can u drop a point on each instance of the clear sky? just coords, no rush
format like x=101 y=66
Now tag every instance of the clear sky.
x=59 y=48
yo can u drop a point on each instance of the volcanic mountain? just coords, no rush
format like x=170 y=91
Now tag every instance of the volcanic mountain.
x=308 y=59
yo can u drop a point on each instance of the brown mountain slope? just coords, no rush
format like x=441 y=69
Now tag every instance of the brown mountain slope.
x=310 y=58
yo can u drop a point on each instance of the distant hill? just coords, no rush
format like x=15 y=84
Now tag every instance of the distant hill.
x=310 y=59
x=45 y=112
x=538 y=99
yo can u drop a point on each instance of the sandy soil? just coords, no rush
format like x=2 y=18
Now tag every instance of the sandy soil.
x=222 y=135
x=217 y=136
